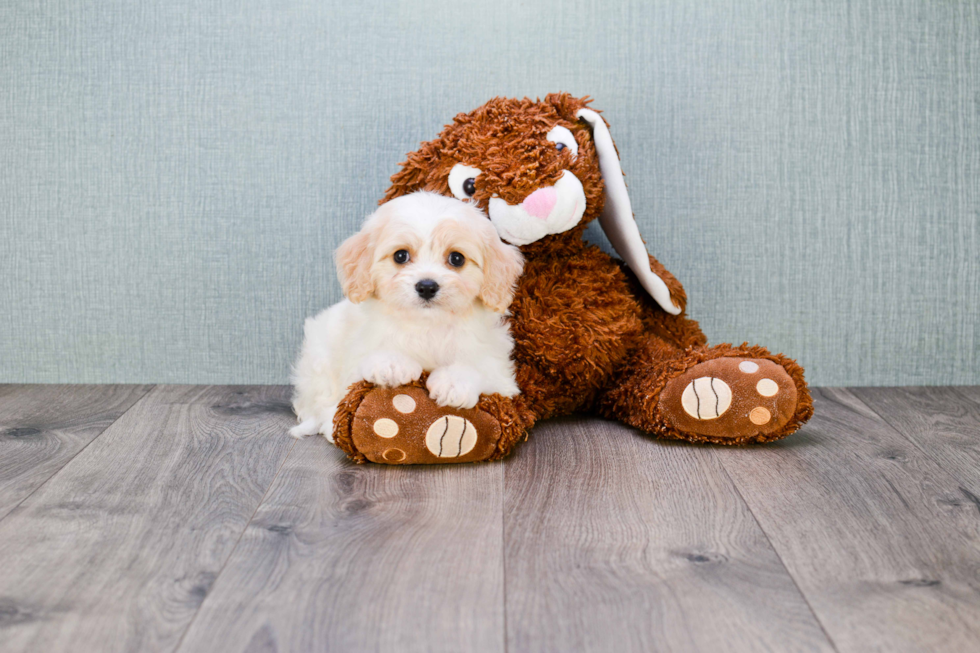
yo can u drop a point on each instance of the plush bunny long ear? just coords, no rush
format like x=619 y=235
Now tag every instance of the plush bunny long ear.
x=617 y=215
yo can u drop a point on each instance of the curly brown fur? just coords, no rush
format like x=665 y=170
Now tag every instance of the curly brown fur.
x=587 y=336
x=343 y=419
x=514 y=418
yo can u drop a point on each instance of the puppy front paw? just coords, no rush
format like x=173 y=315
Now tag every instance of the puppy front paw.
x=456 y=386
x=389 y=370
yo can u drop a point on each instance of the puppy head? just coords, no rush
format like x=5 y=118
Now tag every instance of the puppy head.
x=426 y=252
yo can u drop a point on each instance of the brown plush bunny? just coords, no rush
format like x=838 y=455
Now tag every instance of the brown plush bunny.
x=592 y=334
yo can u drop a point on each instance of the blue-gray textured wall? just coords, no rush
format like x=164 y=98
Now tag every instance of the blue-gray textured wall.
x=174 y=175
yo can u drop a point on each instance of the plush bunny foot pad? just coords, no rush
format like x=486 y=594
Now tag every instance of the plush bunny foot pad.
x=730 y=398
x=402 y=426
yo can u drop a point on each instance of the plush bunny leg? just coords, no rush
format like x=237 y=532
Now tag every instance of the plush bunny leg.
x=401 y=426
x=722 y=394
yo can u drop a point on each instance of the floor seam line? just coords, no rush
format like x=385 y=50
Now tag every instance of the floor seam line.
x=231 y=553
x=77 y=453
x=782 y=562
x=503 y=544
x=894 y=429
x=958 y=389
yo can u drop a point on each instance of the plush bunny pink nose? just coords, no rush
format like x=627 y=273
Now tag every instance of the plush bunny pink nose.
x=540 y=202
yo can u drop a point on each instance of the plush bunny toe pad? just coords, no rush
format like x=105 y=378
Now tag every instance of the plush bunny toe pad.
x=403 y=426
x=730 y=398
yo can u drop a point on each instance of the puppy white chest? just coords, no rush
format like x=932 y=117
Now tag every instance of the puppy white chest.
x=432 y=345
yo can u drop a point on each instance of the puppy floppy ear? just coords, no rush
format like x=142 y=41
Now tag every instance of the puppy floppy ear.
x=353 y=259
x=502 y=267
x=617 y=214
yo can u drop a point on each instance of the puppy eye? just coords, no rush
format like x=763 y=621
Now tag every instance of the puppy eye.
x=563 y=140
x=456 y=259
x=462 y=181
x=402 y=256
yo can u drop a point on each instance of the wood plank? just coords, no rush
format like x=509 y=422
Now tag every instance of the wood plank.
x=118 y=550
x=972 y=392
x=344 y=557
x=618 y=542
x=875 y=533
x=42 y=427
x=942 y=422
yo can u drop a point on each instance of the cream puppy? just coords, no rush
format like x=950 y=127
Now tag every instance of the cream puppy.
x=428 y=282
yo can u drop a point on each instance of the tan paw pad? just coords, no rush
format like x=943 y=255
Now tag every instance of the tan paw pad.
x=760 y=416
x=767 y=388
x=403 y=404
x=393 y=455
x=386 y=428
x=451 y=436
x=706 y=398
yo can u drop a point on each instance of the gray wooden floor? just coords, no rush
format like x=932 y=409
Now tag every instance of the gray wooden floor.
x=182 y=518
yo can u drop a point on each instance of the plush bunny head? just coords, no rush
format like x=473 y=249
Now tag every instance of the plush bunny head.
x=539 y=169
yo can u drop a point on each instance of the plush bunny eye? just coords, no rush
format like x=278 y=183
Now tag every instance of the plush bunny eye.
x=563 y=139
x=456 y=259
x=401 y=256
x=462 y=181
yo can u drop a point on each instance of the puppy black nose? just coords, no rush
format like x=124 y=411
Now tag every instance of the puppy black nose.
x=427 y=288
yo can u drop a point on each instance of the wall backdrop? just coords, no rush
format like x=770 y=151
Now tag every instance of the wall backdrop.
x=175 y=174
